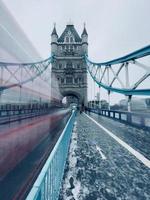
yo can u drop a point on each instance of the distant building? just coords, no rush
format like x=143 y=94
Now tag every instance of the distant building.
x=115 y=107
x=136 y=104
x=103 y=104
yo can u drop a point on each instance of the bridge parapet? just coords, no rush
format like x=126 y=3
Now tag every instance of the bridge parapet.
x=137 y=119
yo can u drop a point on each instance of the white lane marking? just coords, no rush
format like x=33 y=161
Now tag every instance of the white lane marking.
x=138 y=155
x=101 y=153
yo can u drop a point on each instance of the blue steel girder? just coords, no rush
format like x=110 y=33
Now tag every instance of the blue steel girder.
x=14 y=71
x=123 y=62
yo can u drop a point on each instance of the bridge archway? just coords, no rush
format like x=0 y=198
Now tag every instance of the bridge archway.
x=72 y=97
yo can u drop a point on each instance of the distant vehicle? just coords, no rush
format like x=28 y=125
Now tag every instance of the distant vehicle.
x=73 y=106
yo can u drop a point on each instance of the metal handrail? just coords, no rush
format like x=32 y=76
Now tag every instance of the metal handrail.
x=47 y=185
x=140 y=120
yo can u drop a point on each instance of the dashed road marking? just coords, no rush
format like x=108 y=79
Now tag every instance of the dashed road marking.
x=101 y=153
x=138 y=155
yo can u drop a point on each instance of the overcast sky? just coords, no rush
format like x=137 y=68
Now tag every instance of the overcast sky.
x=115 y=27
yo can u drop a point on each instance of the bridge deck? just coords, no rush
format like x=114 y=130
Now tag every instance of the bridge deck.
x=99 y=167
x=19 y=180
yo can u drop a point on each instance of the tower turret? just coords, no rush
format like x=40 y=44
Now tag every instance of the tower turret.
x=69 y=67
x=54 y=38
x=84 y=37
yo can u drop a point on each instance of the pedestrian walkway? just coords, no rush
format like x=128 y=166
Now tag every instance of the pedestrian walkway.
x=99 y=167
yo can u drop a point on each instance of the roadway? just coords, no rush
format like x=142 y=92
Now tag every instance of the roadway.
x=108 y=160
x=20 y=163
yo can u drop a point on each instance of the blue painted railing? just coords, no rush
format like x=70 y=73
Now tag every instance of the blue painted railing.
x=140 y=120
x=47 y=186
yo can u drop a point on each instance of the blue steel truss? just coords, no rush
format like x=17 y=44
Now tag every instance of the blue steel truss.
x=99 y=70
x=18 y=74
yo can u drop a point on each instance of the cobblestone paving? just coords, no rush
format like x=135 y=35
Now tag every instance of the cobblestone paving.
x=100 y=168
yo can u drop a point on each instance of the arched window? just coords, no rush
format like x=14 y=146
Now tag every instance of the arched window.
x=80 y=79
x=71 y=47
x=78 y=66
x=69 y=80
x=60 y=66
x=69 y=65
x=71 y=39
x=62 y=80
x=67 y=39
x=76 y=80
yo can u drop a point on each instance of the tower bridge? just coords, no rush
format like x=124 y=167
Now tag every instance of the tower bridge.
x=107 y=151
x=69 y=66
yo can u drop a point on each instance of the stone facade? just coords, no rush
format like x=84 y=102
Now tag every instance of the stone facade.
x=69 y=66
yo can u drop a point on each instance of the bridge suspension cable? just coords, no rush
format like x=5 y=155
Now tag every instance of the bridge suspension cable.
x=106 y=74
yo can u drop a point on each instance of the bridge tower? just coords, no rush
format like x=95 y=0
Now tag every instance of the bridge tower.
x=69 y=66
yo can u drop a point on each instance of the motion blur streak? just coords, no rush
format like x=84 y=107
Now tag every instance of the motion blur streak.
x=18 y=142
x=11 y=35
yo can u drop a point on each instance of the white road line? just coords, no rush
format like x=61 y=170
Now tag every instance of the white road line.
x=101 y=153
x=138 y=155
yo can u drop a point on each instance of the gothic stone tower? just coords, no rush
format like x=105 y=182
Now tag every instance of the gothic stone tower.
x=69 y=66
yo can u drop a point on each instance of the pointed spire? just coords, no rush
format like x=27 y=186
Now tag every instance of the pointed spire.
x=54 y=32
x=84 y=30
